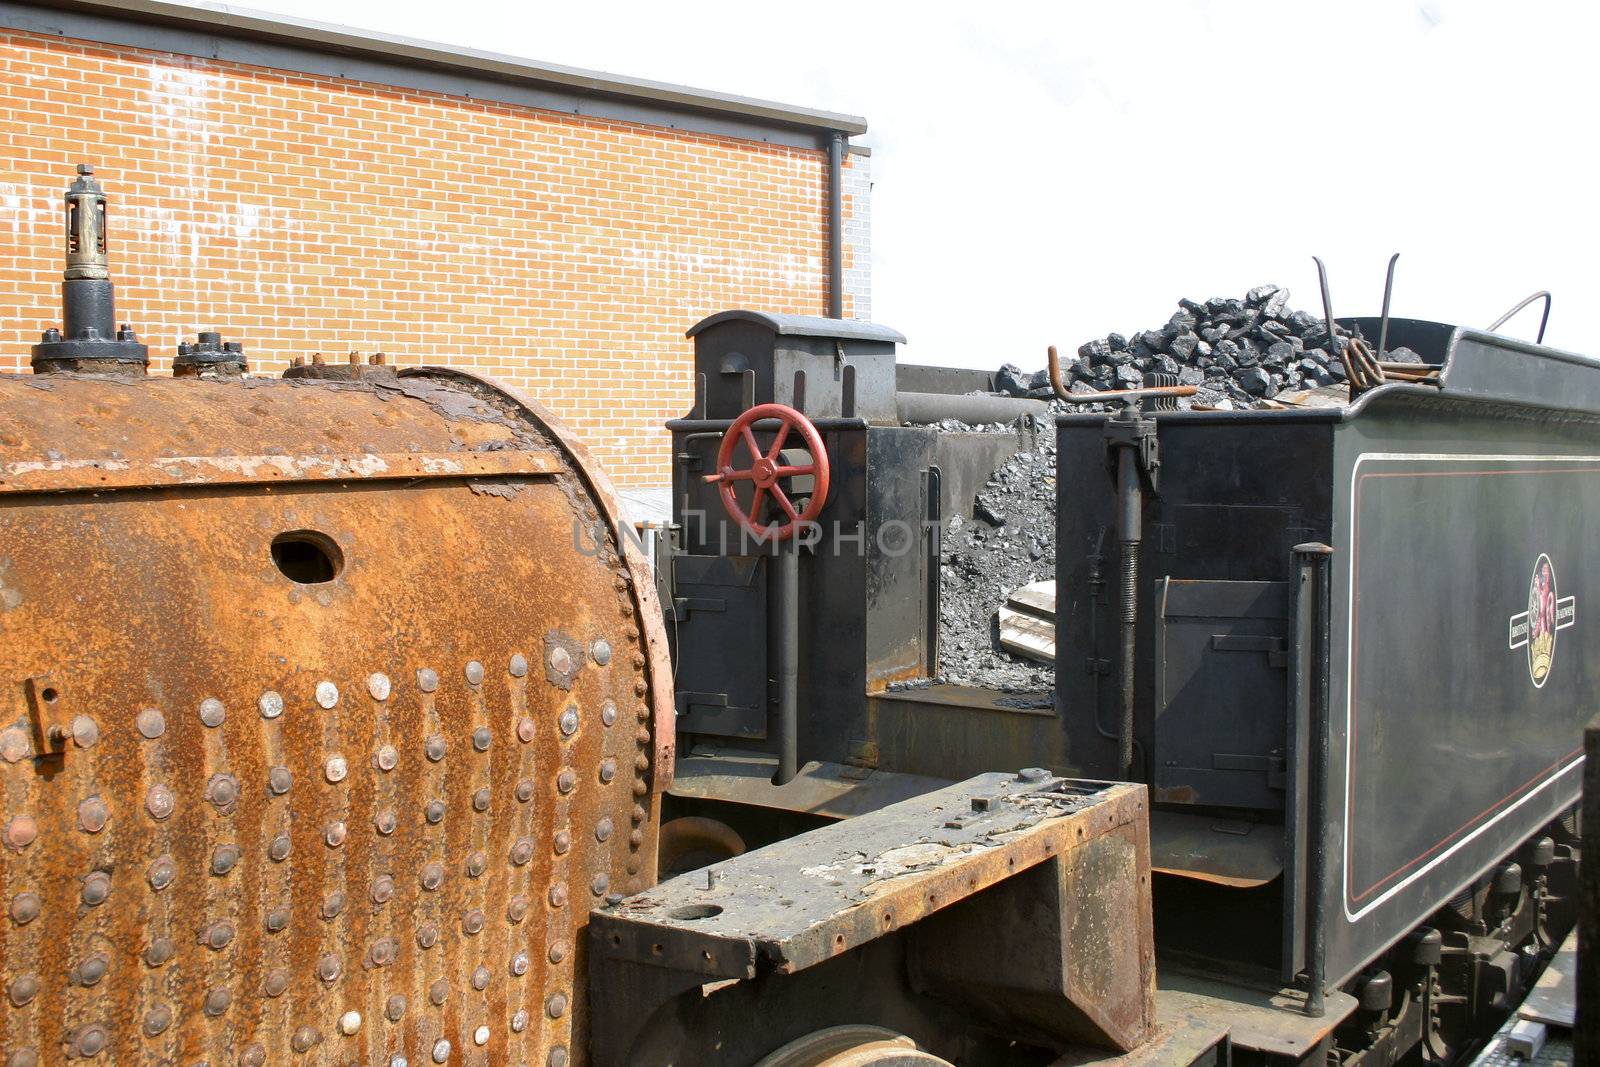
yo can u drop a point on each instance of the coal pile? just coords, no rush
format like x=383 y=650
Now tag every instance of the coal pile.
x=1010 y=543
x=1236 y=352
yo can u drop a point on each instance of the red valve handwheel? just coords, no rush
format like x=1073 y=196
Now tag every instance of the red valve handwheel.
x=767 y=467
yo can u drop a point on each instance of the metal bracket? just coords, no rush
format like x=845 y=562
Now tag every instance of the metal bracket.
x=52 y=726
x=1130 y=429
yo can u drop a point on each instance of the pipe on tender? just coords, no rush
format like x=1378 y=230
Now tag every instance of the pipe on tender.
x=1130 y=530
x=1316 y=572
x=974 y=409
x=786 y=641
x=836 y=226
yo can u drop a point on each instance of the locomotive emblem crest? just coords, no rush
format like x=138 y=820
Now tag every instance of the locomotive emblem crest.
x=1536 y=628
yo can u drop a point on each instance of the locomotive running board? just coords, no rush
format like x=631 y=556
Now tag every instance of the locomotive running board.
x=1018 y=903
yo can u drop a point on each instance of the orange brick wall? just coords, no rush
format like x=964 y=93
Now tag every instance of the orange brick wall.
x=303 y=214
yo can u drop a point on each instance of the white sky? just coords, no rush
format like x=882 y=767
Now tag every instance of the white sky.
x=1048 y=172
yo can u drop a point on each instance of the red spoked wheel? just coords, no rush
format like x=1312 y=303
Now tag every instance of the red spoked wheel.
x=766 y=468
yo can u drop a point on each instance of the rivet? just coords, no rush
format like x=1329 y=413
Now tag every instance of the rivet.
x=161 y=873
x=519 y=964
x=434 y=747
x=327 y=695
x=517 y=908
x=350 y=1021
x=25 y=908
x=561 y=843
x=477 y=863
x=526 y=729
x=639 y=787
x=334 y=834
x=394 y=1008
x=84 y=731
x=223 y=791
x=328 y=967
x=438 y=993
x=480 y=978
x=639 y=687
x=432 y=876
x=427 y=679
x=223 y=858
x=608 y=769
x=382 y=889
x=427 y=936
x=558 y=896
x=472 y=923
x=519 y=1022
x=480 y=799
x=159 y=951
x=642 y=713
x=386 y=758
x=608 y=712
x=633 y=864
x=569 y=721
x=21 y=831
x=92 y=815
x=15 y=745
x=638 y=660
x=89 y=1041
x=378 y=685
x=336 y=769
x=278 y=848
x=566 y=781
x=212 y=713
x=558 y=660
x=601 y=651
x=254 y=1055
x=480 y=1036
x=441 y=1050
x=635 y=838
x=217 y=1001
x=555 y=1005
x=279 y=779
x=216 y=936
x=642 y=735
x=639 y=814
x=481 y=738
x=23 y=989
x=521 y=852
x=434 y=812
x=92 y=969
x=156 y=1020
x=474 y=673
x=633 y=633
x=525 y=790
x=641 y=762
x=304 y=1039
x=277 y=918
x=277 y=983
x=270 y=704
x=602 y=829
x=557 y=1057
x=332 y=905
x=383 y=952
x=518 y=665
x=385 y=822
x=159 y=802
x=23 y=1057
x=598 y=885
x=96 y=888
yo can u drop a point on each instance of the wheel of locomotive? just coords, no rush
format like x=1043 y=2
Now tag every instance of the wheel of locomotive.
x=852 y=1046
x=690 y=842
x=767 y=468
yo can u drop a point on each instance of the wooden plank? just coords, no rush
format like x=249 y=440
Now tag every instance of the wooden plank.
x=1028 y=635
x=1038 y=598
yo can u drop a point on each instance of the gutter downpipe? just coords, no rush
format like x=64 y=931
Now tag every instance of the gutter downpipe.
x=836 y=226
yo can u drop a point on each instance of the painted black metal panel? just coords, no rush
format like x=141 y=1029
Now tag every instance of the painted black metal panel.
x=1465 y=550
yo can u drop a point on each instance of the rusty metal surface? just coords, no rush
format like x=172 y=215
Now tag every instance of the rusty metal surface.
x=812 y=900
x=1268 y=1021
x=1212 y=849
x=834 y=790
x=328 y=823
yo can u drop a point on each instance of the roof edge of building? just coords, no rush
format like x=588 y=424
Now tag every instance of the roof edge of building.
x=208 y=24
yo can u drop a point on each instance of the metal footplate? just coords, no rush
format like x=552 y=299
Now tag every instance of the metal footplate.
x=1009 y=905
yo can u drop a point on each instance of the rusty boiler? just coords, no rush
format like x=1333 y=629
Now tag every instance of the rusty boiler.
x=332 y=704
